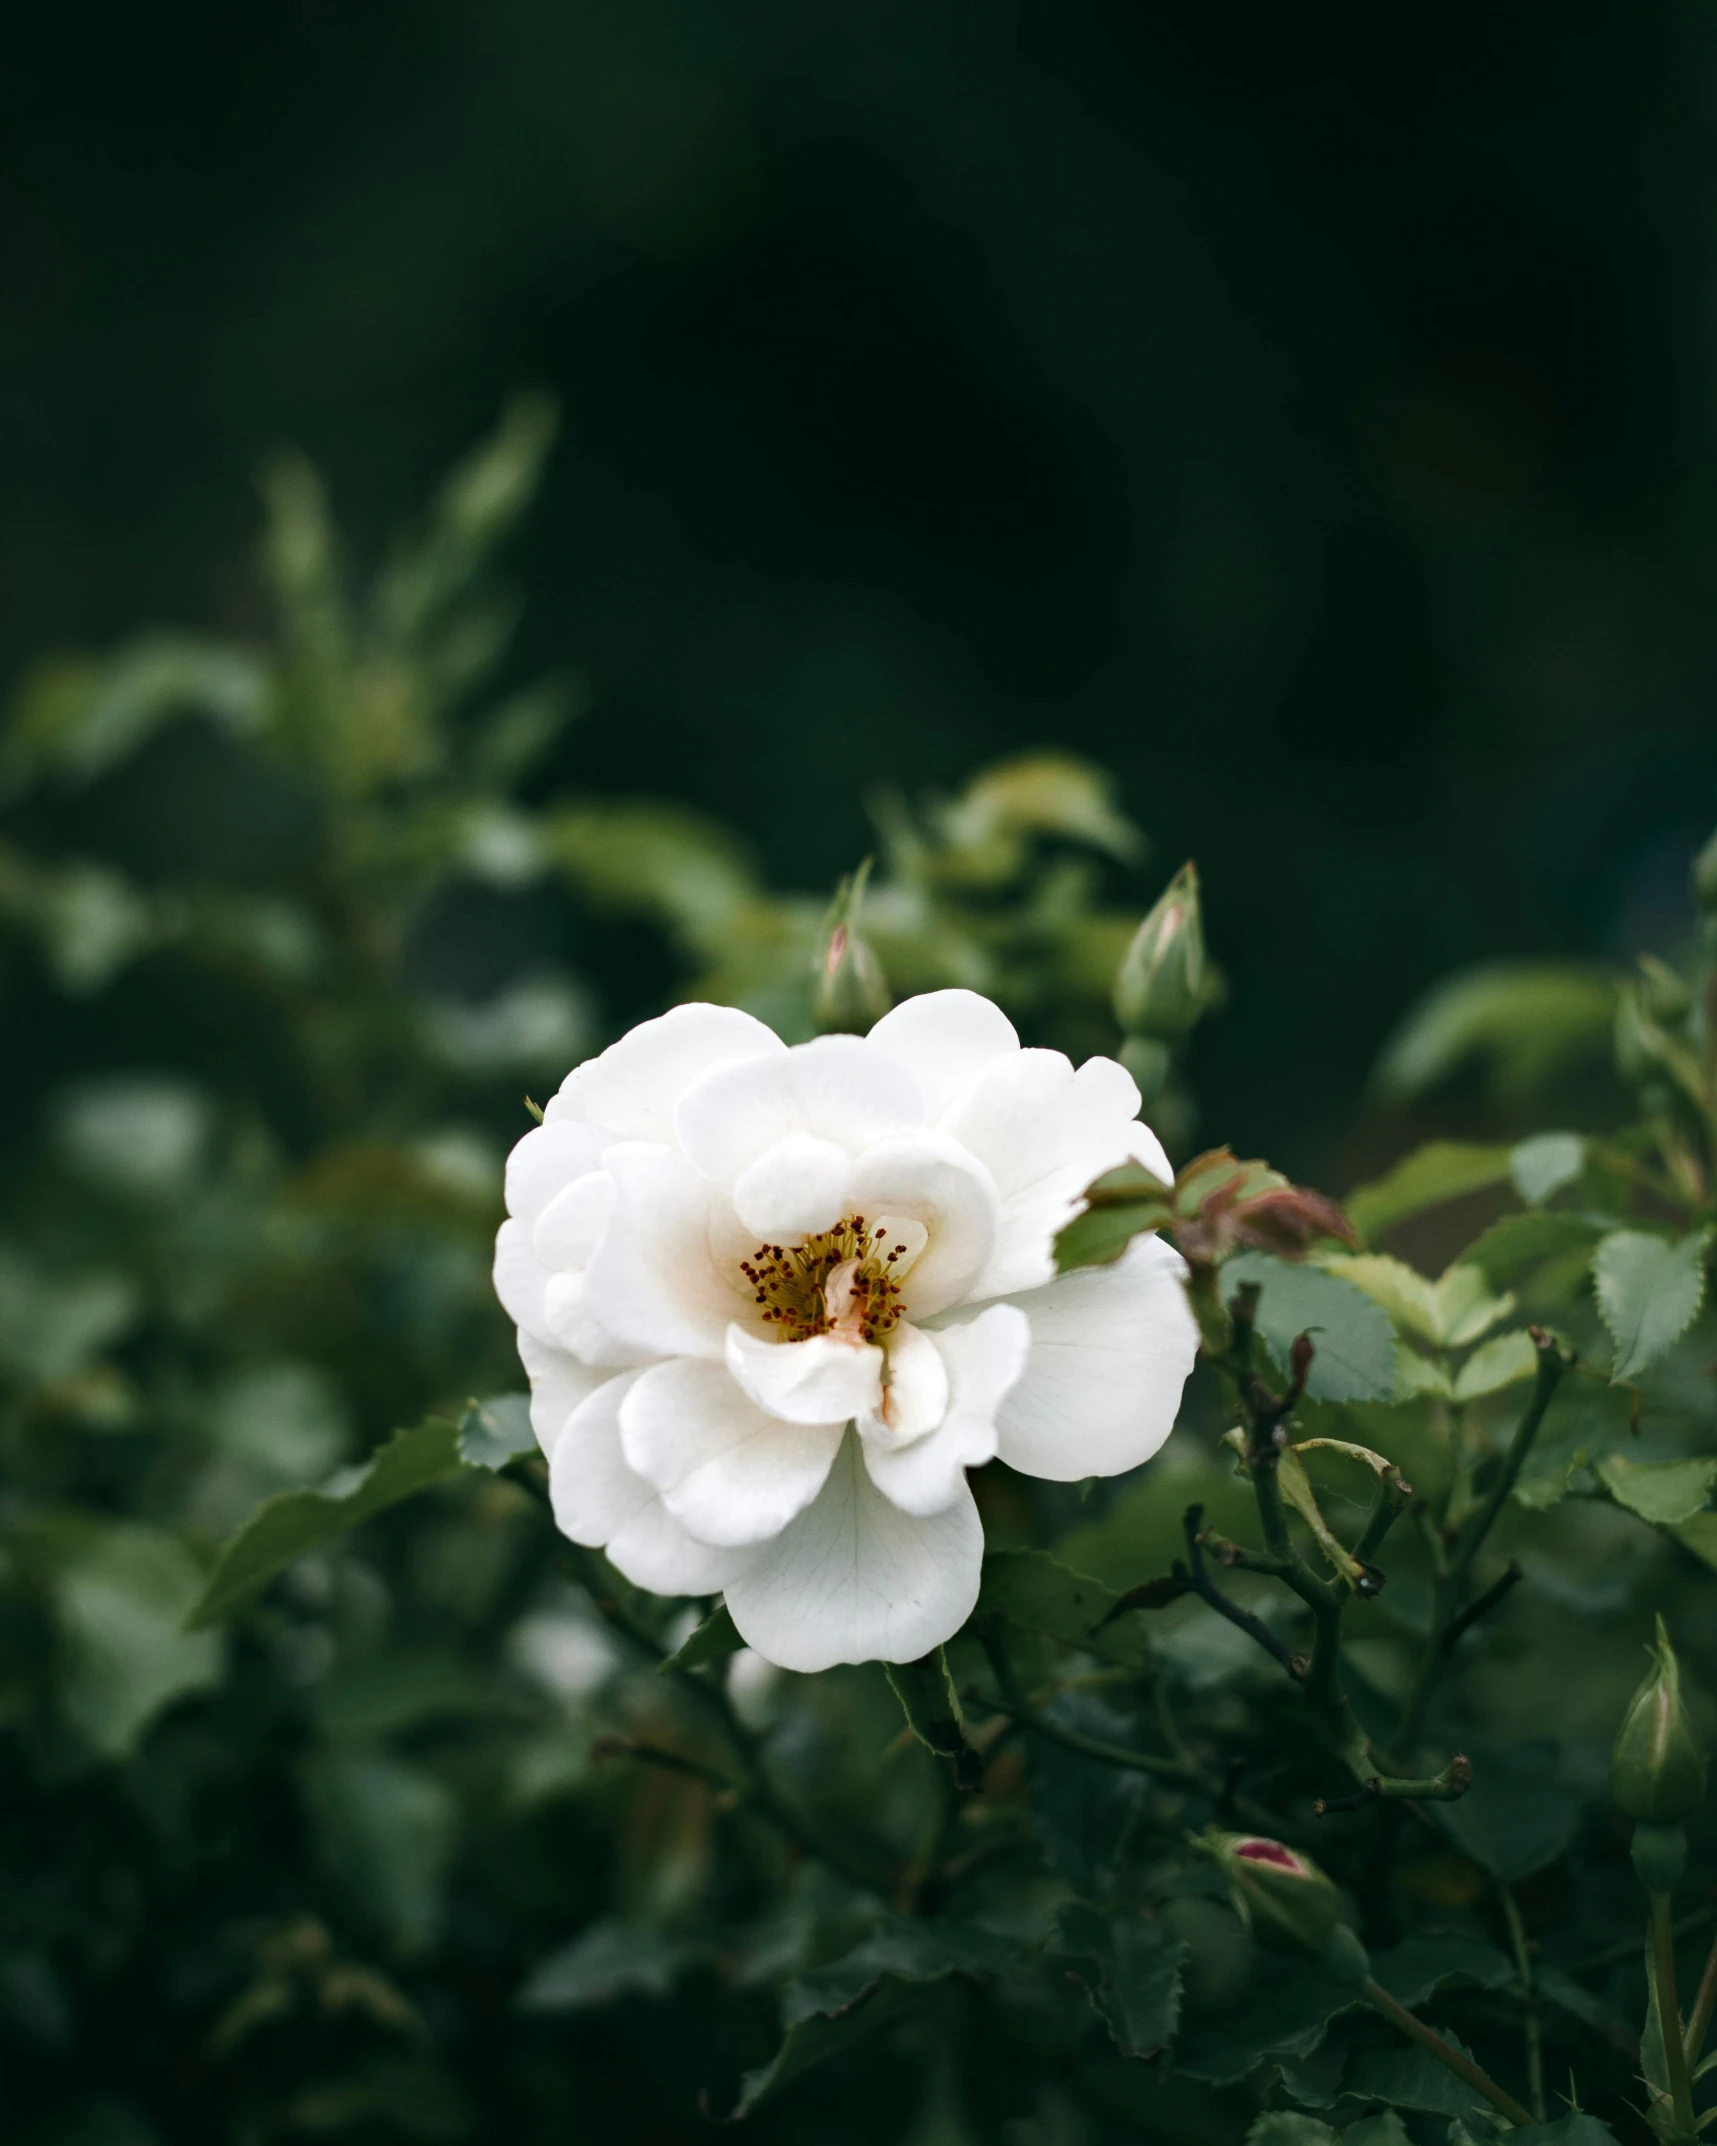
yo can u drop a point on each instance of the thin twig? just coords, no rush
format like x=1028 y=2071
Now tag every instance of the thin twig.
x=1457 y=2060
x=1704 y=2001
x=1481 y=1607
x=1534 y=2028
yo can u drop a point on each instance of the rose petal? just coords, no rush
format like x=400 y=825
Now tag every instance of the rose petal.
x=915 y=1390
x=1111 y=1348
x=822 y=1380
x=559 y=1383
x=654 y=1282
x=793 y=1189
x=837 y=1088
x=727 y=1471
x=855 y=1579
x=546 y=1159
x=630 y=1091
x=982 y=1359
x=928 y=1178
x=520 y=1279
x=945 y=1039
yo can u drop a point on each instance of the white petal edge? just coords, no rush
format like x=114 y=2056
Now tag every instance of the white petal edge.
x=822 y=1380
x=654 y=1282
x=984 y=1358
x=793 y=1189
x=559 y=1382
x=836 y=1088
x=1111 y=1348
x=915 y=1390
x=854 y=1579
x=1044 y=1132
x=945 y=1039
x=548 y=1158
x=520 y=1279
x=630 y=1091
x=727 y=1472
x=928 y=1178
x=601 y=1502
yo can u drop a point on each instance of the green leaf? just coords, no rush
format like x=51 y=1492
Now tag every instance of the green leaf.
x=1517 y=1242
x=1516 y=1818
x=1525 y=1021
x=925 y=1689
x=1451 y=1312
x=612 y=1958
x=1665 y=1492
x=1284 y=2011
x=1411 y=2078
x=1541 y=1166
x=386 y=1833
x=829 y=2011
x=1442 y=1170
x=493 y=1432
x=1035 y=1591
x=1504 y=1360
x=662 y=860
x=283 y=1530
x=1578 y=2128
x=1649 y=1293
x=120 y=1592
x=1287 y=2127
x=1130 y=1969
x=712 y=1641
x=1383 y=2129
x=1700 y=1536
x=1121 y=1205
x=1355 y=1359
x=1083 y=1811
x=1423 y=1964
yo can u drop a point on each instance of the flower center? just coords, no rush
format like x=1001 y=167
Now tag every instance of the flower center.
x=844 y=1280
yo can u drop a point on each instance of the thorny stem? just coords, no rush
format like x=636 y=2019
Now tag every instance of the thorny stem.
x=1445 y=2052
x=1451 y=1615
x=1662 y=1933
x=1533 y=2025
x=758 y=1789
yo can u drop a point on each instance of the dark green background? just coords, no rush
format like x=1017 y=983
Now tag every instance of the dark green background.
x=1306 y=412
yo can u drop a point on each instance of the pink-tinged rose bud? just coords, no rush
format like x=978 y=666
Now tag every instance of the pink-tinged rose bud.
x=1159 y=987
x=1284 y=1898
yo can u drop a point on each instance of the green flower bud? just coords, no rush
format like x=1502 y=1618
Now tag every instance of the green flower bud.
x=1657 y=1770
x=1159 y=987
x=1705 y=877
x=1286 y=1901
x=849 y=991
x=1665 y=994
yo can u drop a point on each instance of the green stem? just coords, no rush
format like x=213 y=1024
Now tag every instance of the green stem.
x=759 y=1790
x=1669 y=2012
x=1704 y=2002
x=1445 y=2052
x=1533 y=2025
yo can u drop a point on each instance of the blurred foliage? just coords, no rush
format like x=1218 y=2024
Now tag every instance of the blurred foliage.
x=342 y=1800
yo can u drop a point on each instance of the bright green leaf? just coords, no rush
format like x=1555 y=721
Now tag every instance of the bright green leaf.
x=1699 y=1534
x=1442 y=1170
x=1541 y=1166
x=1525 y=1021
x=1355 y=1359
x=283 y=1530
x=1504 y=1360
x=1649 y=1292
x=1665 y=1492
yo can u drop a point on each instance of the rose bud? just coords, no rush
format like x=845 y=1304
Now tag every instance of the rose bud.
x=1657 y=1770
x=1279 y=1893
x=849 y=991
x=1159 y=987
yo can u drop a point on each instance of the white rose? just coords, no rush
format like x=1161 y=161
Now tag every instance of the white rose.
x=775 y=1302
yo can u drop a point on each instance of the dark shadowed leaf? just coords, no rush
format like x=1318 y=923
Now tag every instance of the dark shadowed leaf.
x=1035 y=1591
x=610 y=1959
x=1355 y=1344
x=1130 y=1968
x=712 y=1641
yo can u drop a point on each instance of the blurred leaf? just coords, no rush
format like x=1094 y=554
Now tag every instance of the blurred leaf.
x=1664 y=1492
x=829 y=2011
x=1699 y=1534
x=53 y=1326
x=1035 y=1591
x=1083 y=1811
x=925 y=1689
x=1355 y=1359
x=121 y=1592
x=386 y=1832
x=1517 y=1242
x=1504 y=1360
x=1287 y=2127
x=1035 y=794
x=1525 y=1021
x=1130 y=1969
x=1516 y=1818
x=498 y=1430
x=1649 y=1292
x=663 y=860
x=609 y=1959
x=712 y=1641
x=77 y=718
x=1541 y=1166
x=1451 y=1312
x=1441 y=1170
x=382 y=1692
x=280 y=1532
